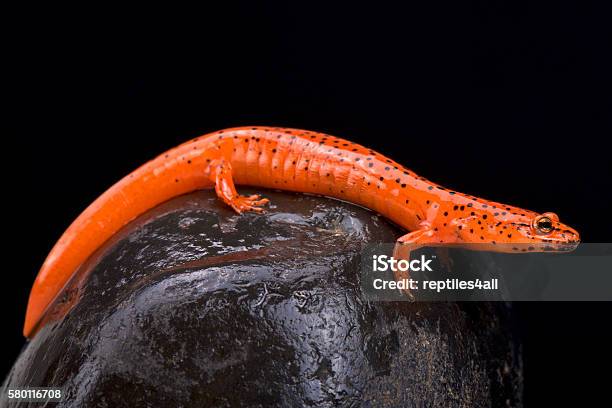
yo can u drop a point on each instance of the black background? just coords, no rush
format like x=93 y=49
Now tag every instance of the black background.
x=504 y=100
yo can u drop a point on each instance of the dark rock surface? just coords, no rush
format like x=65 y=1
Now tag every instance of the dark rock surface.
x=192 y=305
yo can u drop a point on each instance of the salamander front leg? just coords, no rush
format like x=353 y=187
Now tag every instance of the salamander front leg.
x=408 y=243
x=221 y=174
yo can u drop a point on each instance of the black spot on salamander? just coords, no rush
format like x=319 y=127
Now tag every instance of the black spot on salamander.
x=387 y=168
x=520 y=224
x=471 y=230
x=484 y=216
x=455 y=208
x=469 y=205
x=381 y=178
x=462 y=208
x=509 y=235
x=430 y=188
x=273 y=150
x=445 y=213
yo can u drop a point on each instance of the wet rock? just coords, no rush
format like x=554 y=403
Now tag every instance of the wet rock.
x=192 y=305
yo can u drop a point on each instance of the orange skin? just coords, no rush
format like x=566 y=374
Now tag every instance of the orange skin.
x=302 y=161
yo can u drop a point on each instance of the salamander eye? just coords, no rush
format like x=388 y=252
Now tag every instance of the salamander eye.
x=543 y=224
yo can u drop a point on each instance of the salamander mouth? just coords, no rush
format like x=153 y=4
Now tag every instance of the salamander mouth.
x=559 y=246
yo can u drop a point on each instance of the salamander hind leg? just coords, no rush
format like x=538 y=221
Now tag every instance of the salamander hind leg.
x=221 y=174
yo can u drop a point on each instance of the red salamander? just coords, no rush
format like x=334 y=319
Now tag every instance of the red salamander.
x=301 y=161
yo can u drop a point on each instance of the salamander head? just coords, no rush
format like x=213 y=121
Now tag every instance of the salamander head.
x=544 y=232
x=513 y=229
